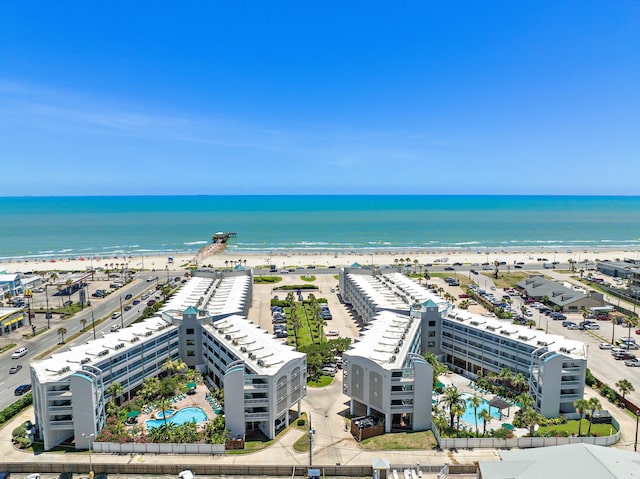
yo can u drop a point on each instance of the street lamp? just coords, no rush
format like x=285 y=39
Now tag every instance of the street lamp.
x=93 y=325
x=90 y=436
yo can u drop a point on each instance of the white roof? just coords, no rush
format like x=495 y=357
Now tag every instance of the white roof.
x=386 y=339
x=394 y=291
x=534 y=337
x=585 y=461
x=255 y=346
x=60 y=365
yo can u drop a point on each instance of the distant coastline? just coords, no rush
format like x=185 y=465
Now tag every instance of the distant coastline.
x=60 y=228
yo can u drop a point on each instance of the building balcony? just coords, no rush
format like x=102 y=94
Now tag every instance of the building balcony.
x=60 y=425
x=257 y=402
x=256 y=416
x=60 y=409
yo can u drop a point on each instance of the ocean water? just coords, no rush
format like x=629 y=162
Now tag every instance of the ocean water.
x=47 y=227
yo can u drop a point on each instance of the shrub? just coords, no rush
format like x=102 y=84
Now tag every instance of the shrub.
x=301 y=422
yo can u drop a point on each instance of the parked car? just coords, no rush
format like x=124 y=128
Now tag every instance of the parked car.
x=136 y=302
x=605 y=346
x=127 y=307
x=186 y=474
x=151 y=302
x=633 y=363
x=332 y=332
x=115 y=315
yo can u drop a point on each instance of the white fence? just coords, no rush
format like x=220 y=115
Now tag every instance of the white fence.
x=151 y=448
x=522 y=442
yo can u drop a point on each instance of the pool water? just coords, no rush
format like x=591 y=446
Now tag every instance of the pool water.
x=469 y=414
x=167 y=413
x=187 y=414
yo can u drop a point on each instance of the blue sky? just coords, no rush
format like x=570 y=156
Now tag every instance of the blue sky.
x=419 y=97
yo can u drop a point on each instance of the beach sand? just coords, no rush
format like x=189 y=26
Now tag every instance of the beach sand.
x=281 y=260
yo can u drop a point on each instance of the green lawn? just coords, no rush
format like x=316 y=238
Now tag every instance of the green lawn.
x=507 y=280
x=400 y=441
x=320 y=382
x=571 y=427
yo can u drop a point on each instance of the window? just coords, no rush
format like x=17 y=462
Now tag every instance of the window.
x=191 y=353
x=190 y=331
x=191 y=342
x=432 y=323
x=431 y=344
x=432 y=334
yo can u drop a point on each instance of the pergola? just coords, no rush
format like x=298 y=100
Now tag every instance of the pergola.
x=500 y=404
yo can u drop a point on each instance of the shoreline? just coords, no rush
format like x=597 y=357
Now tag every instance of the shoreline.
x=324 y=258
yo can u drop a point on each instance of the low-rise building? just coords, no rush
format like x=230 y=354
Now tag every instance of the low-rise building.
x=564 y=298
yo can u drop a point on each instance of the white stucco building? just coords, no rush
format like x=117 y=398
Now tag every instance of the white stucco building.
x=205 y=326
x=472 y=344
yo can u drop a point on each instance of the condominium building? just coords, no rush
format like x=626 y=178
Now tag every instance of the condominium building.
x=203 y=325
x=385 y=375
x=473 y=344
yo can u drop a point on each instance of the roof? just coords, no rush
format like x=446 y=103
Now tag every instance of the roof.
x=585 y=461
x=386 y=339
x=60 y=365
x=534 y=337
x=255 y=346
x=538 y=287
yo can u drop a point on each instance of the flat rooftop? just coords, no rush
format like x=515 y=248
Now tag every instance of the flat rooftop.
x=59 y=366
x=386 y=339
x=260 y=351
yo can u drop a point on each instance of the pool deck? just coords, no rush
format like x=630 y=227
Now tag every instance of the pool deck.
x=196 y=400
x=462 y=384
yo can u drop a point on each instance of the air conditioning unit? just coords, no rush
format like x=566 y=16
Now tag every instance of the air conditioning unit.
x=227 y=337
x=64 y=369
x=234 y=342
x=85 y=360
x=243 y=349
x=252 y=356
x=260 y=363
x=119 y=346
x=104 y=352
x=134 y=339
x=148 y=333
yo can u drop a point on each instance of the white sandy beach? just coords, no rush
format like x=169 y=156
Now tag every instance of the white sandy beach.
x=319 y=260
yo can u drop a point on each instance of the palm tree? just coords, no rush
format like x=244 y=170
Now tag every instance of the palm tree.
x=505 y=376
x=485 y=415
x=519 y=381
x=83 y=321
x=150 y=388
x=625 y=386
x=458 y=410
x=475 y=403
x=525 y=401
x=581 y=405
x=632 y=322
x=594 y=405
x=585 y=312
x=62 y=332
x=452 y=397
x=530 y=418
x=115 y=389
x=164 y=404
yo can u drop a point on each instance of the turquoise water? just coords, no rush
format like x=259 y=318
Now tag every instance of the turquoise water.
x=121 y=226
x=167 y=413
x=187 y=414
x=470 y=415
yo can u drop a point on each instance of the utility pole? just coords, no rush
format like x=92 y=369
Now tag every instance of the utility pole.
x=311 y=433
x=93 y=325
x=121 y=313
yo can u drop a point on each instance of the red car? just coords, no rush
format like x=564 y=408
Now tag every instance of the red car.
x=637 y=331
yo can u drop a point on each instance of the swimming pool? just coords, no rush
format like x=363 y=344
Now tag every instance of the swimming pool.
x=470 y=415
x=167 y=413
x=187 y=414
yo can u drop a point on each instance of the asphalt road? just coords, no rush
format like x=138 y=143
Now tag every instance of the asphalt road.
x=48 y=342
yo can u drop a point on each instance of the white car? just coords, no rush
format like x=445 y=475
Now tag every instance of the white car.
x=186 y=474
x=332 y=332
x=605 y=346
x=18 y=353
